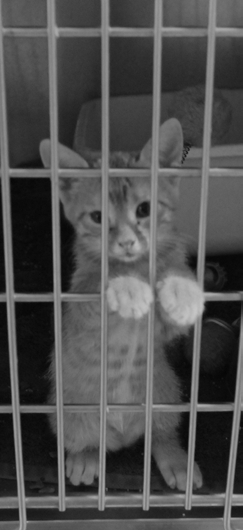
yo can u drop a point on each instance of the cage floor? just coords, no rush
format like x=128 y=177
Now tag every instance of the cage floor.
x=32 y=243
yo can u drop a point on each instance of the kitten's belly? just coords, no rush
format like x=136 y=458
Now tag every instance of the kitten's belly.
x=126 y=361
x=127 y=376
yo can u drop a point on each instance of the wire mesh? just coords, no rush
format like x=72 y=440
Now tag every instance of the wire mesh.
x=145 y=499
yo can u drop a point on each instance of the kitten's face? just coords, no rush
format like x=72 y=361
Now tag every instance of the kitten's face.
x=129 y=199
x=129 y=215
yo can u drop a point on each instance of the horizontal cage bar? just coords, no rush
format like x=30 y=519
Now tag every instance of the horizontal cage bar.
x=121 y=32
x=114 y=173
x=89 y=500
x=181 y=407
x=74 y=297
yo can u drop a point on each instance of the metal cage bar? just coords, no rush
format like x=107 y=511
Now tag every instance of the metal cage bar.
x=235 y=432
x=105 y=90
x=66 y=32
x=72 y=297
x=123 y=500
x=53 y=95
x=152 y=247
x=180 y=407
x=9 y=274
x=202 y=242
x=115 y=172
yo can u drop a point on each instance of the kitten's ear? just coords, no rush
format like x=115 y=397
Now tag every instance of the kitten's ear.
x=170 y=146
x=67 y=158
x=68 y=187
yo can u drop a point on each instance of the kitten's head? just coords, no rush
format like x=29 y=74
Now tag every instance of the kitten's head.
x=129 y=199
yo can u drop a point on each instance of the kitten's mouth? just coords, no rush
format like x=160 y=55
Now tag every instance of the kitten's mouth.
x=128 y=257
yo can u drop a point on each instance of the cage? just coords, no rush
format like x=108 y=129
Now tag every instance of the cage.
x=102 y=75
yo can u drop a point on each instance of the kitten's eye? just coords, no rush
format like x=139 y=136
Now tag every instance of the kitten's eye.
x=96 y=217
x=143 y=209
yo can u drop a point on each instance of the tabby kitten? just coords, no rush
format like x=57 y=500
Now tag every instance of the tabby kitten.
x=178 y=303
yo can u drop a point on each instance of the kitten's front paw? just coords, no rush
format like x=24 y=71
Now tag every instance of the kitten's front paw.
x=129 y=296
x=181 y=298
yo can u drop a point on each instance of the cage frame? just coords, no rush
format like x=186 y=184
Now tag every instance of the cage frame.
x=103 y=501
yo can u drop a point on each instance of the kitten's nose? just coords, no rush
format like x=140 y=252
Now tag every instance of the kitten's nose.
x=126 y=244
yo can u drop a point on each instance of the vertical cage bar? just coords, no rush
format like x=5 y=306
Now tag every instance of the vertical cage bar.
x=9 y=274
x=202 y=241
x=105 y=60
x=235 y=430
x=157 y=57
x=53 y=94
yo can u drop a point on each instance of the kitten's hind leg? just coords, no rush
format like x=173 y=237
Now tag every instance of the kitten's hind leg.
x=82 y=467
x=171 y=460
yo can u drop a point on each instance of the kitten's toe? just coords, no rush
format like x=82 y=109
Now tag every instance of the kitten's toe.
x=74 y=468
x=140 y=300
x=172 y=463
x=168 y=475
x=175 y=475
x=91 y=470
x=175 y=478
x=197 y=477
x=181 y=478
x=112 y=299
x=146 y=297
x=82 y=467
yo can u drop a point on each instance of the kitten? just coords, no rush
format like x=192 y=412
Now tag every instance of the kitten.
x=178 y=303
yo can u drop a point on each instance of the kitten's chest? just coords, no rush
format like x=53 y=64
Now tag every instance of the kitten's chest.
x=126 y=361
